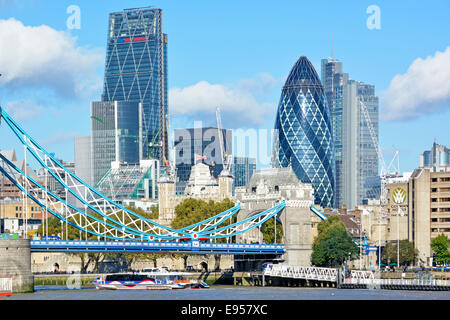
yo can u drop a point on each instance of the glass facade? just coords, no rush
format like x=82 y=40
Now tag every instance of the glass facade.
x=199 y=145
x=437 y=159
x=368 y=156
x=115 y=136
x=333 y=80
x=243 y=168
x=136 y=71
x=356 y=159
x=304 y=132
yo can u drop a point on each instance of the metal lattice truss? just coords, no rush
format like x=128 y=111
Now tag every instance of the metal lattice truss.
x=101 y=216
x=122 y=182
x=297 y=272
x=244 y=225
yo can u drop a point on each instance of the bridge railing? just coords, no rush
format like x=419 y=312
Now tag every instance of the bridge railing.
x=398 y=282
x=299 y=272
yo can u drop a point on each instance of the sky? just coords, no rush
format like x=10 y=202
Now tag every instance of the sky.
x=232 y=54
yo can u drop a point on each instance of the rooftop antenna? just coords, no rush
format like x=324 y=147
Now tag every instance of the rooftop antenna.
x=332 y=46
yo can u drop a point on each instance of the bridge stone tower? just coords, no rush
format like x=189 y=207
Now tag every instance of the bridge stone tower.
x=266 y=189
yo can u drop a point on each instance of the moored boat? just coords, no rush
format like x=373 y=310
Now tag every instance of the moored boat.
x=181 y=278
x=134 y=281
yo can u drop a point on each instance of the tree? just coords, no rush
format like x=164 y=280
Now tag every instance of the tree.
x=440 y=245
x=333 y=245
x=407 y=253
x=191 y=211
x=269 y=232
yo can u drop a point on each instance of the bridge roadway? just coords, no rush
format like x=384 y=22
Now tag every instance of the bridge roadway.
x=194 y=247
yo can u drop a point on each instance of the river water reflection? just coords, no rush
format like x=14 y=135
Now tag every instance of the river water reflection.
x=229 y=293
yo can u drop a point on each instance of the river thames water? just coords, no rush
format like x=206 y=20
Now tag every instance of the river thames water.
x=229 y=293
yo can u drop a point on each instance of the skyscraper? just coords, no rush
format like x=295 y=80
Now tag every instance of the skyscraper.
x=304 y=132
x=115 y=136
x=437 y=159
x=355 y=155
x=333 y=80
x=136 y=71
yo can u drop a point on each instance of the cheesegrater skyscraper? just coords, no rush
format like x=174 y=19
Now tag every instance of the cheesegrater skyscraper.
x=136 y=71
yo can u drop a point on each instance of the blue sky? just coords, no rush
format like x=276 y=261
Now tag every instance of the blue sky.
x=228 y=51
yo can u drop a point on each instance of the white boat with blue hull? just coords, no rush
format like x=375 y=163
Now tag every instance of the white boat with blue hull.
x=134 y=281
x=181 y=278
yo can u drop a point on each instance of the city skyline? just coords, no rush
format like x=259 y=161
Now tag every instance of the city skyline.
x=255 y=80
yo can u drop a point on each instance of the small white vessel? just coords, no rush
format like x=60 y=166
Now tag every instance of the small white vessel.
x=181 y=278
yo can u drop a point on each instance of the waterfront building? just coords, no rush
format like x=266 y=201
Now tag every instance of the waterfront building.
x=417 y=210
x=437 y=159
x=115 y=135
x=199 y=145
x=429 y=209
x=356 y=158
x=136 y=71
x=304 y=132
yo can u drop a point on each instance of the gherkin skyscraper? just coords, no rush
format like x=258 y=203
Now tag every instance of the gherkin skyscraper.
x=304 y=138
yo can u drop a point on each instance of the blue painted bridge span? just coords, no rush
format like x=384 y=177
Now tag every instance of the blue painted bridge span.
x=193 y=247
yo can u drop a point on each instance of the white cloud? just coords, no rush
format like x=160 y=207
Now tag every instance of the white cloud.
x=43 y=57
x=243 y=102
x=26 y=109
x=423 y=89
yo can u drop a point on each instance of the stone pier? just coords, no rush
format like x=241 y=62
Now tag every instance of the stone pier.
x=15 y=262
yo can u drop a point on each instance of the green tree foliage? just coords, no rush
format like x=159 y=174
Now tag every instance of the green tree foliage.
x=269 y=232
x=440 y=245
x=407 y=253
x=333 y=245
x=191 y=211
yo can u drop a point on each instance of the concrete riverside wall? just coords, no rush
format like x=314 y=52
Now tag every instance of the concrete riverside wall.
x=15 y=261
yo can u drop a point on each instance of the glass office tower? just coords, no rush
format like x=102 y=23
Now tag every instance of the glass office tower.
x=332 y=81
x=355 y=155
x=115 y=136
x=304 y=132
x=136 y=71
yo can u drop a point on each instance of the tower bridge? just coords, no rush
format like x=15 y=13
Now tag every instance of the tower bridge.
x=270 y=194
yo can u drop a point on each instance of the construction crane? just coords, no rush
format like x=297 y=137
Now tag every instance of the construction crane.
x=153 y=144
x=227 y=160
x=384 y=175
